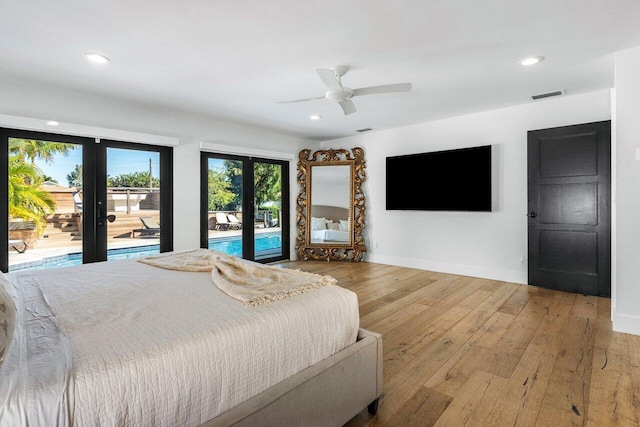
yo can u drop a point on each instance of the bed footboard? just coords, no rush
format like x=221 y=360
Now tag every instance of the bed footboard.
x=328 y=393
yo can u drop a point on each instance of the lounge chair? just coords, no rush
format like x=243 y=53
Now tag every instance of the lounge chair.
x=151 y=227
x=265 y=218
x=14 y=244
x=222 y=223
x=78 y=201
x=234 y=222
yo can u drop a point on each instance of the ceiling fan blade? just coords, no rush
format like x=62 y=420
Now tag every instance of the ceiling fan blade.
x=329 y=78
x=372 y=90
x=348 y=107
x=300 y=100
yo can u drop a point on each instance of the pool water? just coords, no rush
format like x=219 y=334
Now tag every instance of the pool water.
x=70 y=260
x=267 y=245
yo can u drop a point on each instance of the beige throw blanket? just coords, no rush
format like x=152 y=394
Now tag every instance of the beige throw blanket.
x=190 y=260
x=250 y=282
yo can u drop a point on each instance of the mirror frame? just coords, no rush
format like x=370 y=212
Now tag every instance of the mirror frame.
x=354 y=250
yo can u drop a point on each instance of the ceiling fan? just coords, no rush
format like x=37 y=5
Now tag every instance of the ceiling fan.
x=332 y=78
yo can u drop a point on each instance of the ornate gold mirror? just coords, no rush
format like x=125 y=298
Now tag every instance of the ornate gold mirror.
x=331 y=205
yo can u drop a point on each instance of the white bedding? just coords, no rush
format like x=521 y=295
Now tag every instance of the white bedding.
x=158 y=347
x=318 y=236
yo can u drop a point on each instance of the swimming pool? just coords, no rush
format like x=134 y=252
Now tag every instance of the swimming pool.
x=69 y=260
x=266 y=245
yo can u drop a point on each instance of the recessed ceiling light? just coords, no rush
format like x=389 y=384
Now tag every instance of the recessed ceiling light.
x=52 y=123
x=96 y=57
x=530 y=60
x=315 y=117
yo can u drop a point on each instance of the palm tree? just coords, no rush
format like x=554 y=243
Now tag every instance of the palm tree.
x=26 y=199
x=33 y=149
x=75 y=177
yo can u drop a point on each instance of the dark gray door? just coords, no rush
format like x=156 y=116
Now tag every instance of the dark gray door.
x=569 y=172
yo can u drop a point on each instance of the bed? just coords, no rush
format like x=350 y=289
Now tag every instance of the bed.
x=320 y=236
x=330 y=224
x=124 y=343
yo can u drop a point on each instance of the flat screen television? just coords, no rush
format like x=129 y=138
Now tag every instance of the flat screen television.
x=452 y=180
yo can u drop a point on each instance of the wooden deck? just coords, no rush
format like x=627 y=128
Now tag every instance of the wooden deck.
x=462 y=351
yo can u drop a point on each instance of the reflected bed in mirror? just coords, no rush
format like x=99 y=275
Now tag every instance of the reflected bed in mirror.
x=331 y=205
x=330 y=224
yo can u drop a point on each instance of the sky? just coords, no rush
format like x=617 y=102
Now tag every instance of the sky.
x=217 y=164
x=119 y=161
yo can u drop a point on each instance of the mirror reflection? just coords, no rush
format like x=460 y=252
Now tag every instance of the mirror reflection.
x=330 y=221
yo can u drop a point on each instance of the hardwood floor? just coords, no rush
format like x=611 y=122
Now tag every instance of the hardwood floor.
x=462 y=351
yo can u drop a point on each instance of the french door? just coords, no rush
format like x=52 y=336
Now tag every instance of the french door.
x=244 y=206
x=74 y=200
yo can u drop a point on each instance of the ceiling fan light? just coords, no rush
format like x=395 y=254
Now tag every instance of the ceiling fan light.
x=530 y=60
x=337 y=95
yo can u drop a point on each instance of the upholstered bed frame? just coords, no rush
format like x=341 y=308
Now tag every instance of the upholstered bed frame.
x=333 y=213
x=328 y=393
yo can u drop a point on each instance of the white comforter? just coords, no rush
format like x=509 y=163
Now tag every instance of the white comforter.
x=329 y=236
x=157 y=347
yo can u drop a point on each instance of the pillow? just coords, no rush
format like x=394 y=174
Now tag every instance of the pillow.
x=318 y=223
x=333 y=225
x=7 y=316
x=344 y=225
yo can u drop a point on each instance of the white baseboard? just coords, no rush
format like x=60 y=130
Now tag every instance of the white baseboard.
x=460 y=269
x=625 y=323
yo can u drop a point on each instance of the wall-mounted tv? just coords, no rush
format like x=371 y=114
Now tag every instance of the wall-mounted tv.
x=452 y=180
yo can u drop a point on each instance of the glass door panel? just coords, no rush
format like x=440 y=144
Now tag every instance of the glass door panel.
x=244 y=206
x=132 y=203
x=267 y=192
x=225 y=218
x=45 y=209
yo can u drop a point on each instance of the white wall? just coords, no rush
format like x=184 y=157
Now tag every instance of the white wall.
x=45 y=103
x=330 y=186
x=478 y=244
x=626 y=128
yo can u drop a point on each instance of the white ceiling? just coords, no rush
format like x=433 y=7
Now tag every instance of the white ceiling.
x=234 y=59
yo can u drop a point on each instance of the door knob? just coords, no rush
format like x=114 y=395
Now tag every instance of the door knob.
x=102 y=215
x=532 y=215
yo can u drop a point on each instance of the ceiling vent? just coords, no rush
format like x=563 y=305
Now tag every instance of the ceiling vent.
x=548 y=94
x=363 y=130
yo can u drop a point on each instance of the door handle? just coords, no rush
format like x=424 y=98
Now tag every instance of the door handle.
x=531 y=215
x=102 y=220
x=102 y=215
